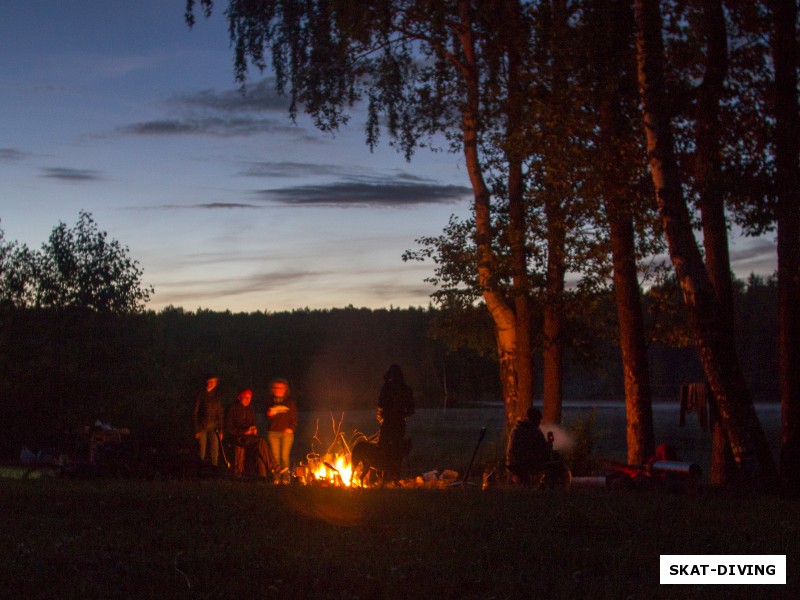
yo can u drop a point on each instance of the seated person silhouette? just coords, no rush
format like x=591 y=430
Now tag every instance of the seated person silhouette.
x=528 y=450
x=240 y=426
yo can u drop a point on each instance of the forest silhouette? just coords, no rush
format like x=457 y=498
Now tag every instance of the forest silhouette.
x=65 y=369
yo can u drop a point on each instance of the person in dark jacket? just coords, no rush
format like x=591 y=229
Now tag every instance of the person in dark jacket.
x=395 y=405
x=282 y=417
x=240 y=424
x=208 y=420
x=528 y=450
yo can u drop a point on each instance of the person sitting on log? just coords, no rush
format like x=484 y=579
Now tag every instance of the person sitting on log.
x=240 y=425
x=528 y=450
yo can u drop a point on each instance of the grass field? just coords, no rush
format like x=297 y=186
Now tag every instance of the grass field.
x=227 y=539
x=224 y=539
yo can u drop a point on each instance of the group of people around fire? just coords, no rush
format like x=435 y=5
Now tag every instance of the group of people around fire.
x=526 y=454
x=238 y=422
x=272 y=456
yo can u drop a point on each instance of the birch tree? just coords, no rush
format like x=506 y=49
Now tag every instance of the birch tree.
x=426 y=68
x=723 y=372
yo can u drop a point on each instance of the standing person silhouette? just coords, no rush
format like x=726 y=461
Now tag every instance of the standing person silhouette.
x=208 y=420
x=395 y=405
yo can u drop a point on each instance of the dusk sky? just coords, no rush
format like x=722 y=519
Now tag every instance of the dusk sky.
x=119 y=109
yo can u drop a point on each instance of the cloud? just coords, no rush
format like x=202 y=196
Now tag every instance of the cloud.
x=375 y=191
x=756 y=256
x=290 y=169
x=393 y=292
x=12 y=154
x=201 y=206
x=216 y=126
x=756 y=250
x=259 y=97
x=225 y=113
x=69 y=174
x=316 y=289
x=192 y=290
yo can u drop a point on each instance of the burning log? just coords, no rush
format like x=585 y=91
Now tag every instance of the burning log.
x=337 y=475
x=334 y=469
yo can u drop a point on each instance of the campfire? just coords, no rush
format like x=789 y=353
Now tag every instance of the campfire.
x=333 y=467
x=335 y=470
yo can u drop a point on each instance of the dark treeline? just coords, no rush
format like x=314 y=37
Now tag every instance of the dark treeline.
x=63 y=369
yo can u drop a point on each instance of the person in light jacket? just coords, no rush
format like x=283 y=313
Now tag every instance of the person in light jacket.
x=282 y=417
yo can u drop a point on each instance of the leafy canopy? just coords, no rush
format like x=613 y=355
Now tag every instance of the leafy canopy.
x=77 y=267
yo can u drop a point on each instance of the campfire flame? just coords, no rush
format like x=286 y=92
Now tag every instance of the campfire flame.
x=338 y=470
x=335 y=467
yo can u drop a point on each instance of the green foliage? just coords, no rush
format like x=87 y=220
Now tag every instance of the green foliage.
x=81 y=267
x=667 y=314
x=78 y=267
x=747 y=126
x=70 y=350
x=16 y=273
x=327 y=56
x=456 y=259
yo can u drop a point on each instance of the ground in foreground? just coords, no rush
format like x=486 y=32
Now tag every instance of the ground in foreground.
x=222 y=539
